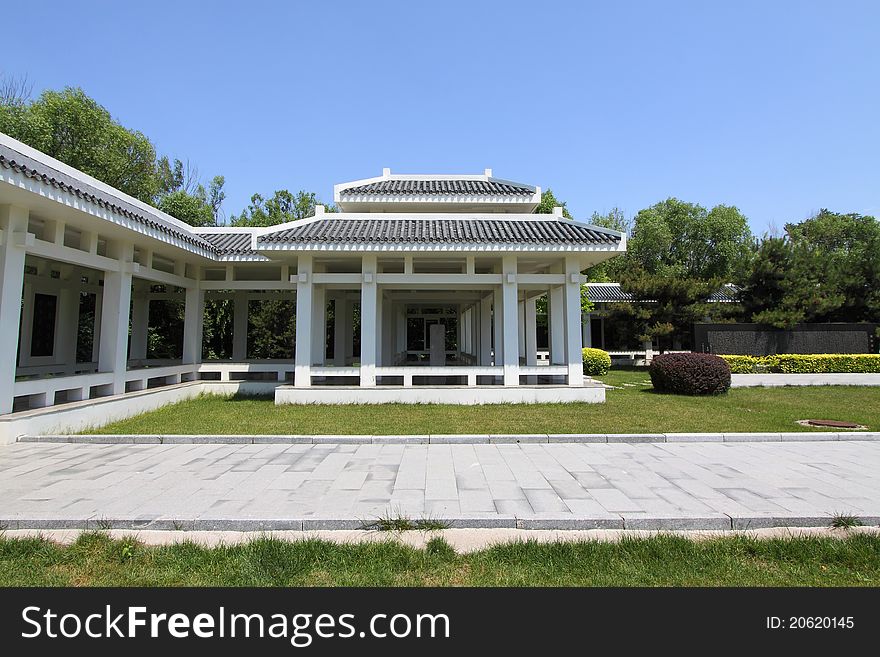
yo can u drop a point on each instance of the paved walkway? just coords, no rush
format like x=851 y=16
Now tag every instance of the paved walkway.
x=532 y=486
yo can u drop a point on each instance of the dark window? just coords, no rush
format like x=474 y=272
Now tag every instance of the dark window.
x=43 y=330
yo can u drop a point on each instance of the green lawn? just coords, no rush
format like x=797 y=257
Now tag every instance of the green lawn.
x=96 y=560
x=632 y=408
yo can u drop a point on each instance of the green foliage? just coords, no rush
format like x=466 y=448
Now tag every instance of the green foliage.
x=805 y=363
x=596 y=361
x=548 y=202
x=690 y=374
x=679 y=253
x=188 y=208
x=825 y=269
x=281 y=208
x=271 y=329
x=675 y=238
x=610 y=270
x=72 y=127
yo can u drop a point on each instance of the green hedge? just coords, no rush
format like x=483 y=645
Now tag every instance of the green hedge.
x=596 y=361
x=805 y=363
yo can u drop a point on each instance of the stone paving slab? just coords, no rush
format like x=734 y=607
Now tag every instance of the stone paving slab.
x=527 y=485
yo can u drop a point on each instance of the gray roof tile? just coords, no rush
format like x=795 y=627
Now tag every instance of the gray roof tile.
x=231 y=243
x=439 y=187
x=12 y=159
x=612 y=293
x=442 y=231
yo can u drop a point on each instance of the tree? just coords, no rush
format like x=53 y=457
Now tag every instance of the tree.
x=610 y=270
x=679 y=253
x=674 y=237
x=199 y=208
x=72 y=127
x=281 y=208
x=825 y=269
x=548 y=202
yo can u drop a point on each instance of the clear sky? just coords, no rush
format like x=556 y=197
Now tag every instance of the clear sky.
x=771 y=106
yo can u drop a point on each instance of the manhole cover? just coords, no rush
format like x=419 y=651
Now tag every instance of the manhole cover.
x=837 y=424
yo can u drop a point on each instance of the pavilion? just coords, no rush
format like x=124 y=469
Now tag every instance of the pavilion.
x=422 y=288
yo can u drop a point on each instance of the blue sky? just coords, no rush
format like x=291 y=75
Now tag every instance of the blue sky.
x=769 y=106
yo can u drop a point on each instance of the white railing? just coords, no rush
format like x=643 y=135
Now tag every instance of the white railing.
x=280 y=368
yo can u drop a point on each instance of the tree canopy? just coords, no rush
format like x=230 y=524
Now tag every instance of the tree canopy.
x=72 y=127
x=549 y=201
x=824 y=269
x=282 y=207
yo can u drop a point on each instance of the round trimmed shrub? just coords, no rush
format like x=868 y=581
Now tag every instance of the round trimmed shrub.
x=690 y=374
x=596 y=361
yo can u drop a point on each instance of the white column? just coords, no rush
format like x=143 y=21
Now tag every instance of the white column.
x=573 y=354
x=586 y=330
x=115 y=306
x=556 y=317
x=369 y=303
x=193 y=325
x=380 y=316
x=388 y=331
x=531 y=332
x=140 y=320
x=521 y=327
x=302 y=375
x=340 y=330
x=510 y=321
x=14 y=224
x=319 y=325
x=401 y=329
x=239 y=326
x=68 y=319
x=486 y=330
x=498 y=318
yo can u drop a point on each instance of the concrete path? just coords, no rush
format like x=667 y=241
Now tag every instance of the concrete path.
x=528 y=486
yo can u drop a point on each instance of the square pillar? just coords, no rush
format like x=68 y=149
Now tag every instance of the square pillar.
x=340 y=331
x=14 y=224
x=573 y=354
x=115 y=306
x=531 y=332
x=319 y=325
x=510 y=321
x=486 y=330
x=239 y=326
x=140 y=321
x=521 y=327
x=587 y=330
x=193 y=325
x=556 y=317
x=302 y=372
x=369 y=310
x=498 y=327
x=68 y=319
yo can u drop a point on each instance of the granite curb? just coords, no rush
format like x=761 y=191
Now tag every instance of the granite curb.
x=631 y=521
x=441 y=439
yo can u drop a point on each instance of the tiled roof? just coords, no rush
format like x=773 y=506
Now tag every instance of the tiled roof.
x=438 y=230
x=231 y=243
x=612 y=293
x=439 y=187
x=48 y=175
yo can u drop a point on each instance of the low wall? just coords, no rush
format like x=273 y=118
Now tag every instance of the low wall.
x=447 y=395
x=77 y=416
x=773 y=380
x=760 y=339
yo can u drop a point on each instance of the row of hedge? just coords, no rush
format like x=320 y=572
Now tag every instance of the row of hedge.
x=805 y=363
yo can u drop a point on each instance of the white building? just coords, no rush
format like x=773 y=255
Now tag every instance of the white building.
x=444 y=272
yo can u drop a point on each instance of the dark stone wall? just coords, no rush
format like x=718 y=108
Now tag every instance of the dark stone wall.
x=761 y=340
